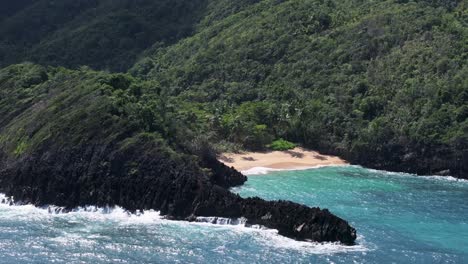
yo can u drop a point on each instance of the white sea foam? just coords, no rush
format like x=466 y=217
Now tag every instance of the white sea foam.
x=445 y=178
x=88 y=212
x=266 y=170
x=259 y=170
x=222 y=220
x=92 y=216
x=270 y=237
x=241 y=222
x=405 y=174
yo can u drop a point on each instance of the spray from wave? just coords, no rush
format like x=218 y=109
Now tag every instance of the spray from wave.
x=91 y=217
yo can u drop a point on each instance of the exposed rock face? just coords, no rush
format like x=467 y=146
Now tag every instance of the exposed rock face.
x=222 y=174
x=424 y=161
x=290 y=219
x=140 y=174
x=298 y=221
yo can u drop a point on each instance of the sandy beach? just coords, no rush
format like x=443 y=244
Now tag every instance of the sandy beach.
x=297 y=158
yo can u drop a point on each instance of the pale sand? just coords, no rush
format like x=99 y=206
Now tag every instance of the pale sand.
x=297 y=158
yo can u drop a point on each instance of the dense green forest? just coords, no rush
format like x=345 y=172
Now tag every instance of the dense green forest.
x=102 y=34
x=380 y=83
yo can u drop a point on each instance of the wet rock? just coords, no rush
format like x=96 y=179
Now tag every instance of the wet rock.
x=140 y=173
x=443 y=173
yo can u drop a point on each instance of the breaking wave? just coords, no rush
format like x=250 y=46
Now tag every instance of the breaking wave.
x=92 y=217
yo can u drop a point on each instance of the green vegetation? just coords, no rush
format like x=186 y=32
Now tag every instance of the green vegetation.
x=108 y=35
x=381 y=83
x=103 y=34
x=21 y=148
x=282 y=144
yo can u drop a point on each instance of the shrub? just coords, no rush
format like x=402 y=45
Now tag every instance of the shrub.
x=282 y=144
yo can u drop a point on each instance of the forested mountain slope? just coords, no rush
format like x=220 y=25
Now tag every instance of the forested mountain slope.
x=102 y=34
x=382 y=83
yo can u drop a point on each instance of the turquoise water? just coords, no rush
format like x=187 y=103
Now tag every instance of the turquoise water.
x=400 y=219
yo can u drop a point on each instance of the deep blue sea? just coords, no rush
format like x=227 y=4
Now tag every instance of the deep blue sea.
x=400 y=218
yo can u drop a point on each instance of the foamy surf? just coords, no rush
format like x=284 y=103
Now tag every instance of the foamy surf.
x=405 y=174
x=259 y=171
x=116 y=213
x=271 y=238
x=95 y=218
x=266 y=170
x=221 y=220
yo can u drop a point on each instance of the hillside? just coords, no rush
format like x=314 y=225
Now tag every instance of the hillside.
x=102 y=34
x=381 y=83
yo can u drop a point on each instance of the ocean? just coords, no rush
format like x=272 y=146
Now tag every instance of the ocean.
x=400 y=218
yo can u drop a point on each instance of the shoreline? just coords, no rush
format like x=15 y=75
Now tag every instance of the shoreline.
x=266 y=170
x=262 y=162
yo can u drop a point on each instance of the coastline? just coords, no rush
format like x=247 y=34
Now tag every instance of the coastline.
x=263 y=162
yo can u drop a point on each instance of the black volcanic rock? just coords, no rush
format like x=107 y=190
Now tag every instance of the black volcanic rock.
x=290 y=219
x=140 y=174
x=222 y=175
x=298 y=221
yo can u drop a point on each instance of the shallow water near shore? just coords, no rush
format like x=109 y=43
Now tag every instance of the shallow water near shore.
x=400 y=218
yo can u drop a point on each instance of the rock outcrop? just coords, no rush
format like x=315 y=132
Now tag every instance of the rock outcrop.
x=290 y=219
x=140 y=174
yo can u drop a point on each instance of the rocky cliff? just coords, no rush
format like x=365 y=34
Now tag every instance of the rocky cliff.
x=144 y=176
x=73 y=139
